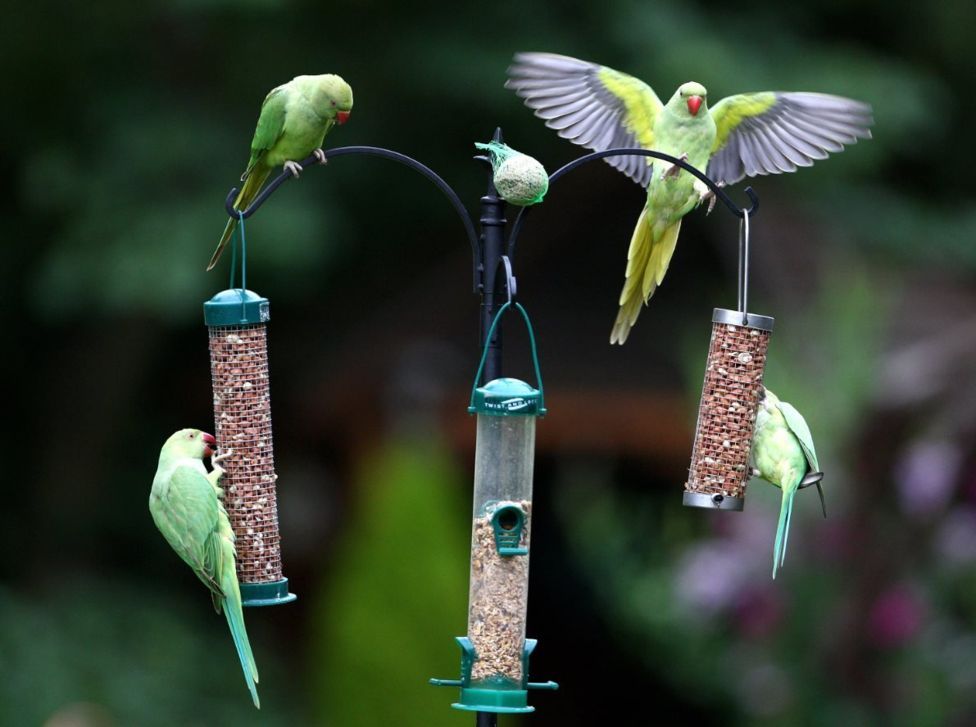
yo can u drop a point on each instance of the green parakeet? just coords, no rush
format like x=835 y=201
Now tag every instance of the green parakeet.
x=295 y=117
x=186 y=506
x=747 y=134
x=783 y=454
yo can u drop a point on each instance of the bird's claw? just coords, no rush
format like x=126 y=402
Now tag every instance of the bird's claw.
x=217 y=458
x=673 y=170
x=712 y=199
x=294 y=168
x=320 y=156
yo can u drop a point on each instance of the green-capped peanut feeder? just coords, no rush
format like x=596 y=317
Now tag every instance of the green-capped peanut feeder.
x=237 y=320
x=495 y=652
x=519 y=178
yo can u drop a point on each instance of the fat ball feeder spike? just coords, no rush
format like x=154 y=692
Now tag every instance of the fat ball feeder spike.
x=237 y=321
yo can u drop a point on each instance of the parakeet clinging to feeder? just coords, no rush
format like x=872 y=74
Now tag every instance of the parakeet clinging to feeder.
x=783 y=454
x=742 y=135
x=185 y=503
x=295 y=117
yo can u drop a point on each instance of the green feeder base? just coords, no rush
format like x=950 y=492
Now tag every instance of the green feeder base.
x=505 y=697
x=266 y=594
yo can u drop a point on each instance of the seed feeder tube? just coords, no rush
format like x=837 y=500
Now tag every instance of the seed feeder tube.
x=237 y=322
x=495 y=653
x=731 y=393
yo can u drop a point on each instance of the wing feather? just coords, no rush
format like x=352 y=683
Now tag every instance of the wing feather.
x=188 y=518
x=589 y=104
x=798 y=425
x=769 y=133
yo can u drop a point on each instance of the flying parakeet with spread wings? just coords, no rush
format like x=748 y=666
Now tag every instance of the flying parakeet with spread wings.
x=186 y=506
x=295 y=117
x=783 y=454
x=747 y=134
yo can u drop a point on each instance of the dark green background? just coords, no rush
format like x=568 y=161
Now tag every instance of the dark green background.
x=125 y=124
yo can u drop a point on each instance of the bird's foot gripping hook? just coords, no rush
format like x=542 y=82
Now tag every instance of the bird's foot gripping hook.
x=319 y=154
x=294 y=168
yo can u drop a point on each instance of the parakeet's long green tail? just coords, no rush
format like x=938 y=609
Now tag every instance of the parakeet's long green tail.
x=252 y=185
x=783 y=529
x=235 y=620
x=647 y=262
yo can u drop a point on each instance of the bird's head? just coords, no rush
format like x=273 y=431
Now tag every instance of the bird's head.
x=190 y=443
x=691 y=96
x=333 y=97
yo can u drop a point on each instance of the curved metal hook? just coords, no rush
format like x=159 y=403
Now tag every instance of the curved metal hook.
x=511 y=285
x=370 y=151
x=713 y=186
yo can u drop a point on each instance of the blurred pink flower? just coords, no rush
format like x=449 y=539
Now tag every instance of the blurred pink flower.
x=896 y=617
x=759 y=611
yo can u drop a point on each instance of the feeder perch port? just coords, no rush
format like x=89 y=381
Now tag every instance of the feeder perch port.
x=237 y=323
x=730 y=398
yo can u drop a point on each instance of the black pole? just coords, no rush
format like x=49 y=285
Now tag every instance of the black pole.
x=487 y=719
x=492 y=248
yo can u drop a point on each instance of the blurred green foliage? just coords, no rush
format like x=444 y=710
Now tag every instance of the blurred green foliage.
x=395 y=597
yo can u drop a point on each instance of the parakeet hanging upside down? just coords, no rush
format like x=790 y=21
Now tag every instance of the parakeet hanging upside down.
x=295 y=117
x=747 y=134
x=186 y=506
x=783 y=454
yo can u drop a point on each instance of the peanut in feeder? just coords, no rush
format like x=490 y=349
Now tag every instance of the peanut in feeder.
x=237 y=322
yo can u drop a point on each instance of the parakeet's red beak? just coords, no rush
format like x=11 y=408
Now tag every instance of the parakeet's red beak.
x=342 y=117
x=211 y=443
x=694 y=103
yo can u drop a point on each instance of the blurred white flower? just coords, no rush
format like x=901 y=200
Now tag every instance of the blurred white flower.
x=926 y=475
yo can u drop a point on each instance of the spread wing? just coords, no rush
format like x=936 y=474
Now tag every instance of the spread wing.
x=772 y=132
x=798 y=425
x=271 y=125
x=188 y=517
x=591 y=105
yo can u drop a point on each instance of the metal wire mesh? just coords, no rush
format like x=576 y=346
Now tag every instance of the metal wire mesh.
x=727 y=413
x=242 y=411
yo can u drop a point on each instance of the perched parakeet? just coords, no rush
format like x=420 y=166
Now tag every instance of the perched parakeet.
x=747 y=134
x=186 y=506
x=295 y=117
x=783 y=454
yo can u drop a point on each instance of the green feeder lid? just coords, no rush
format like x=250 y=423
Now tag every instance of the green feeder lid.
x=236 y=307
x=507 y=397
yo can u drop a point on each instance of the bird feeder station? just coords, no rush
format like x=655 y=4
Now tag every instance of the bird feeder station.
x=237 y=320
x=495 y=652
x=730 y=400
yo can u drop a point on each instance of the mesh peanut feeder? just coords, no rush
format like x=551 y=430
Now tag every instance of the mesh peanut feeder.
x=495 y=653
x=720 y=468
x=237 y=321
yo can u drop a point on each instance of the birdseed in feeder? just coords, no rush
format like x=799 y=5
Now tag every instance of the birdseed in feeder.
x=519 y=179
x=242 y=412
x=727 y=413
x=498 y=602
